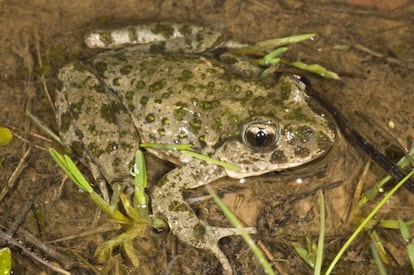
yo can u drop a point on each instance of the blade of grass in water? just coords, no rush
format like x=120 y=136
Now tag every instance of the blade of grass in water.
x=44 y=127
x=212 y=161
x=243 y=232
x=365 y=221
x=277 y=42
x=70 y=169
x=140 y=182
x=314 y=68
x=185 y=150
x=319 y=253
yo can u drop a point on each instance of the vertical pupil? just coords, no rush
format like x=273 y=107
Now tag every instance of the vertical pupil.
x=260 y=137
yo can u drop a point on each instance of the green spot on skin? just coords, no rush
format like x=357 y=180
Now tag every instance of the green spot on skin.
x=158 y=85
x=132 y=35
x=116 y=81
x=208 y=105
x=158 y=47
x=95 y=149
x=189 y=88
x=144 y=100
x=76 y=108
x=177 y=206
x=298 y=115
x=111 y=146
x=105 y=37
x=65 y=122
x=202 y=141
x=108 y=113
x=79 y=134
x=285 y=89
x=125 y=70
x=101 y=67
x=165 y=121
x=194 y=101
x=186 y=75
x=301 y=151
x=186 y=30
x=182 y=135
x=180 y=111
x=99 y=89
x=199 y=231
x=166 y=94
x=79 y=66
x=235 y=88
x=166 y=30
x=278 y=156
x=234 y=119
x=195 y=124
x=140 y=85
x=129 y=95
x=149 y=118
x=77 y=148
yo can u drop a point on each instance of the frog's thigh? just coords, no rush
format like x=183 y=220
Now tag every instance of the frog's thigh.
x=94 y=118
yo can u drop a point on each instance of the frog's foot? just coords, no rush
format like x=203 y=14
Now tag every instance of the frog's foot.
x=213 y=234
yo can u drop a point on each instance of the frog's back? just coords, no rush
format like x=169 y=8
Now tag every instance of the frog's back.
x=182 y=98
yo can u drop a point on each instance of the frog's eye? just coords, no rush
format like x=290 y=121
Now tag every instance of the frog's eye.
x=260 y=135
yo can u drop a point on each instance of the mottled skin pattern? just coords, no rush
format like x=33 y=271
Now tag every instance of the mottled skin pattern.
x=120 y=98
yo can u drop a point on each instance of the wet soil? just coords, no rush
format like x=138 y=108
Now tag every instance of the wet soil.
x=372 y=49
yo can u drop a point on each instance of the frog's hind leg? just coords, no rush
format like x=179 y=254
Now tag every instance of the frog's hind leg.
x=168 y=202
x=94 y=126
x=158 y=37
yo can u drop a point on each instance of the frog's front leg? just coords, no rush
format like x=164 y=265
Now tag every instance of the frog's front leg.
x=167 y=201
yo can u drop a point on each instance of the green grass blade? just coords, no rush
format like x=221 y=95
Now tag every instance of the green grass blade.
x=212 y=161
x=365 y=221
x=320 y=250
x=185 y=150
x=377 y=259
x=410 y=250
x=278 y=42
x=70 y=169
x=314 y=68
x=174 y=147
x=44 y=127
x=140 y=173
x=243 y=232
x=272 y=57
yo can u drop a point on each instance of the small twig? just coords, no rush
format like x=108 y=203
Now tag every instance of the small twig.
x=15 y=175
x=272 y=259
x=26 y=251
x=21 y=216
x=102 y=229
x=42 y=75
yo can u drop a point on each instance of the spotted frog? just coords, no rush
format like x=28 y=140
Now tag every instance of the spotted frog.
x=159 y=84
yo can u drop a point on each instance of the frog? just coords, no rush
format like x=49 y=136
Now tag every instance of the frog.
x=163 y=83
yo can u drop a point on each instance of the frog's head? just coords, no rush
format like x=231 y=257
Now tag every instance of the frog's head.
x=298 y=132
